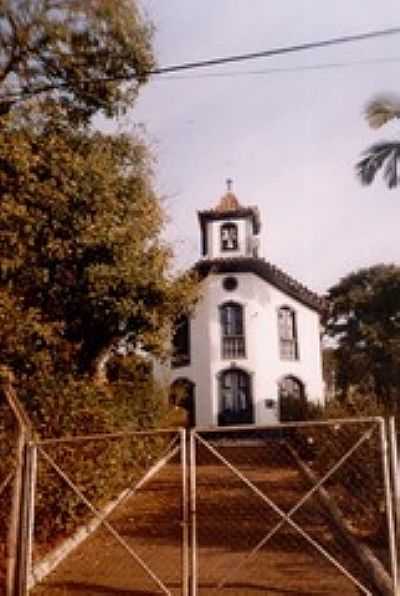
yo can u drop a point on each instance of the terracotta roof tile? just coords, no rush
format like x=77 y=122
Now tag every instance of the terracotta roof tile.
x=228 y=202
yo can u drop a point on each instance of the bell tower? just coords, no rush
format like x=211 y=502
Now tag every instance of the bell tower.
x=230 y=230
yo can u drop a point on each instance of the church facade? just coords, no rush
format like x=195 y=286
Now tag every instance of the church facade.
x=250 y=353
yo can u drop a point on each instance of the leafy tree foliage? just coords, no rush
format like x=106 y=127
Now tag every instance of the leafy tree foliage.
x=364 y=319
x=73 y=50
x=81 y=255
x=384 y=155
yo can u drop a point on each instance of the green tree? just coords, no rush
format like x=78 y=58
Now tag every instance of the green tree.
x=76 y=52
x=81 y=253
x=364 y=320
x=384 y=155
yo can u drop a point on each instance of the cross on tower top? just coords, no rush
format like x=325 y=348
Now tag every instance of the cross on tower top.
x=229 y=183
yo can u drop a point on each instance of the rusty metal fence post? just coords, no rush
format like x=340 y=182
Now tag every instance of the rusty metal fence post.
x=185 y=513
x=26 y=521
x=14 y=527
x=17 y=544
x=388 y=476
x=193 y=522
x=395 y=467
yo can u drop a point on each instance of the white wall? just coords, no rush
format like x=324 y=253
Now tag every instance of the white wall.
x=261 y=302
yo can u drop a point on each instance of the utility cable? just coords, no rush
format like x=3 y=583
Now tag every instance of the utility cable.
x=283 y=69
x=279 y=51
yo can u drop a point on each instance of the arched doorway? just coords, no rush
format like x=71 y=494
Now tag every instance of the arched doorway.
x=292 y=400
x=181 y=395
x=235 y=399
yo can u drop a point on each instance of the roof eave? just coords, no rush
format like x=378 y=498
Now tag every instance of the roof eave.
x=265 y=271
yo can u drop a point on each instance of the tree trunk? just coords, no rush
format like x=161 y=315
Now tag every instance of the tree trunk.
x=100 y=362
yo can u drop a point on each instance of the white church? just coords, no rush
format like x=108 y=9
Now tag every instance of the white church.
x=250 y=353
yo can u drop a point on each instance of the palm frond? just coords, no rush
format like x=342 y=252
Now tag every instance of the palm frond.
x=391 y=171
x=384 y=155
x=381 y=110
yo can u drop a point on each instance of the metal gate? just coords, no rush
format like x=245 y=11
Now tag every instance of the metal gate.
x=297 y=508
x=126 y=540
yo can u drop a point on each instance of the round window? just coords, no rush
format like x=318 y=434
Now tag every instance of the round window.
x=230 y=283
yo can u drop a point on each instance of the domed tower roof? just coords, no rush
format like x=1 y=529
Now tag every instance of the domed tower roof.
x=228 y=202
x=229 y=206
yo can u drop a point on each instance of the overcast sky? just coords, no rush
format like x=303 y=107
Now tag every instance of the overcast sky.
x=289 y=139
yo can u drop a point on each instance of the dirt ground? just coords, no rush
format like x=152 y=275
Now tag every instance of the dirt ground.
x=231 y=520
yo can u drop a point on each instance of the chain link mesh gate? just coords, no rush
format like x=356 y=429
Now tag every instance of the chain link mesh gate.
x=129 y=503
x=300 y=508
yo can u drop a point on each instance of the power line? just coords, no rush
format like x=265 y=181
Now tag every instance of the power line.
x=279 y=51
x=284 y=69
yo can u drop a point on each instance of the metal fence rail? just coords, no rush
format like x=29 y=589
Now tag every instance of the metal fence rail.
x=299 y=507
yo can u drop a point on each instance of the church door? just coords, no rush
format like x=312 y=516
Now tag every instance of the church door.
x=235 y=399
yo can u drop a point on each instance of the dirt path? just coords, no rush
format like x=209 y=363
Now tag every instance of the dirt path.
x=231 y=520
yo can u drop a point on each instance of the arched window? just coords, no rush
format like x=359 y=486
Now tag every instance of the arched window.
x=292 y=399
x=181 y=342
x=287 y=326
x=229 y=237
x=232 y=330
x=235 y=399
